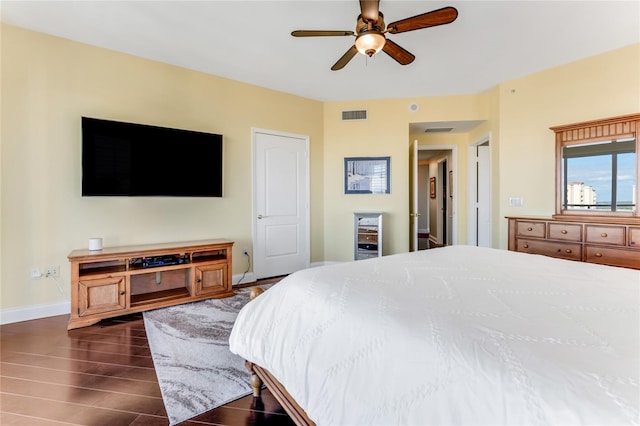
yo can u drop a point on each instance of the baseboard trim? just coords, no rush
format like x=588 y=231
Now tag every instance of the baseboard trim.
x=239 y=279
x=325 y=262
x=27 y=313
x=249 y=277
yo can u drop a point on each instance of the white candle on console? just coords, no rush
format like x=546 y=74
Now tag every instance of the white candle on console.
x=95 y=244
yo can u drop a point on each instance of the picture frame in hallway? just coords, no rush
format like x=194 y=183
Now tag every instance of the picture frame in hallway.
x=367 y=175
x=432 y=187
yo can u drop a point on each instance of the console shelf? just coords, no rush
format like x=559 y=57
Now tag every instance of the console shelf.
x=114 y=282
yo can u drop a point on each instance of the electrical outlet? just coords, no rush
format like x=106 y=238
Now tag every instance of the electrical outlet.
x=34 y=273
x=52 y=271
x=245 y=251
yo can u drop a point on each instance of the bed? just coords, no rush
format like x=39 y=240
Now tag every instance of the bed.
x=454 y=335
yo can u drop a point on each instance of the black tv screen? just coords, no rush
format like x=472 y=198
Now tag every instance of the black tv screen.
x=126 y=159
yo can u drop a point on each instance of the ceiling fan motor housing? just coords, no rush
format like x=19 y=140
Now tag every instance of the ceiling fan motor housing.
x=370 y=33
x=363 y=26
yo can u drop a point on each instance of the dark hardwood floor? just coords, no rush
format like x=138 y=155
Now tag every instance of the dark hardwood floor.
x=97 y=375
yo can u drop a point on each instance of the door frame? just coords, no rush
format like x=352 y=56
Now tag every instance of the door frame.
x=473 y=184
x=442 y=186
x=453 y=167
x=254 y=212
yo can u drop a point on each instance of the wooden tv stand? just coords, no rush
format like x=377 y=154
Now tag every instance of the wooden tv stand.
x=123 y=280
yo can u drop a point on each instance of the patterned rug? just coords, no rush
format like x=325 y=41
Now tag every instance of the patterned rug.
x=190 y=349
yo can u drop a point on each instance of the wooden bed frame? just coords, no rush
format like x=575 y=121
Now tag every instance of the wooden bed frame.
x=260 y=376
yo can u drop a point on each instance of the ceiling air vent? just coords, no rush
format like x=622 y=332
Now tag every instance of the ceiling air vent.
x=439 y=130
x=360 y=114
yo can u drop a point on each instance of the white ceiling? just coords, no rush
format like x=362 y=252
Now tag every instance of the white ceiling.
x=490 y=42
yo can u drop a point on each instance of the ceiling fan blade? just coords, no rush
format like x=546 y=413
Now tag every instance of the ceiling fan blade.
x=320 y=33
x=369 y=10
x=434 y=18
x=401 y=56
x=349 y=54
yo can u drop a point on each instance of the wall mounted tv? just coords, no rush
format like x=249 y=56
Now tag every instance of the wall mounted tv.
x=136 y=160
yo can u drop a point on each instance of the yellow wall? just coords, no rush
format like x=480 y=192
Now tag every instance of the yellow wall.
x=384 y=133
x=603 y=86
x=48 y=83
x=518 y=115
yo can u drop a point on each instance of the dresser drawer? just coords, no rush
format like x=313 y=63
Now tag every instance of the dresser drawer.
x=602 y=234
x=550 y=248
x=368 y=238
x=613 y=256
x=608 y=241
x=531 y=229
x=565 y=231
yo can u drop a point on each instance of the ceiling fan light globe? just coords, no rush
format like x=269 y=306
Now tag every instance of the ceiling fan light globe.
x=370 y=43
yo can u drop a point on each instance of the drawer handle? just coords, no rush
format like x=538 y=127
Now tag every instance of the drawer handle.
x=604 y=235
x=122 y=292
x=529 y=229
x=525 y=245
x=564 y=231
x=568 y=251
x=598 y=254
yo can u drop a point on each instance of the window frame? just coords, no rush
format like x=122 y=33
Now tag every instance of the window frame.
x=588 y=132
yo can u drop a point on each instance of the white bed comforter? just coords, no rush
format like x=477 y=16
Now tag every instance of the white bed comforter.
x=458 y=335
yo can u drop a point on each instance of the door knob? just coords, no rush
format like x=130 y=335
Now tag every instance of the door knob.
x=260 y=216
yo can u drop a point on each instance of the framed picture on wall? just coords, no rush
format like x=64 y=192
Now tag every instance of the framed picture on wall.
x=367 y=175
x=432 y=187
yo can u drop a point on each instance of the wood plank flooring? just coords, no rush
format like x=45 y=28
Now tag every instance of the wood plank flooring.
x=97 y=375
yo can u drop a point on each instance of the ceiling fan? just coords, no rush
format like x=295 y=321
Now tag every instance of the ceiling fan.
x=370 y=32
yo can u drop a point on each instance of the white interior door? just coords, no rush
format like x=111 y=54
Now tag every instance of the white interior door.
x=484 y=197
x=480 y=194
x=281 y=203
x=413 y=195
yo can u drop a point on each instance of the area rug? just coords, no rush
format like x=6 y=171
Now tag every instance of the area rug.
x=190 y=348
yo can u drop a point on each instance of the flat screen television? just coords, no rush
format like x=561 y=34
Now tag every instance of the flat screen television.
x=137 y=160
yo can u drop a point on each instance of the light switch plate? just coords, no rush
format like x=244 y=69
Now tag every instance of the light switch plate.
x=515 y=202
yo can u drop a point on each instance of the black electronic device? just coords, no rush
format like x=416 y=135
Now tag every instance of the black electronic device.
x=155 y=261
x=132 y=160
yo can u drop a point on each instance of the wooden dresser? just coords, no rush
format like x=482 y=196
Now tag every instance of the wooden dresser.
x=613 y=242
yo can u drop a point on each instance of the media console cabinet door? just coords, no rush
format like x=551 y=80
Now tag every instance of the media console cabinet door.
x=211 y=279
x=99 y=295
